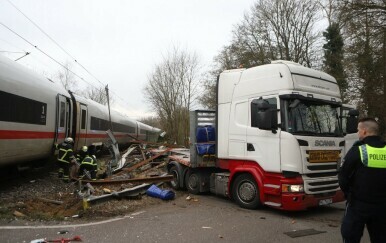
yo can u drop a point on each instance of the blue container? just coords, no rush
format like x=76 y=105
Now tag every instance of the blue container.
x=205 y=134
x=203 y=149
x=154 y=191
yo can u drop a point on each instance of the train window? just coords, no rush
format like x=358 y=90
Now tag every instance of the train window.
x=123 y=128
x=83 y=125
x=103 y=125
x=62 y=113
x=99 y=124
x=19 y=109
x=142 y=131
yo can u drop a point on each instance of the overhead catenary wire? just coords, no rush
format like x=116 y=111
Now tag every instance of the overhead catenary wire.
x=13 y=45
x=57 y=44
x=53 y=59
x=18 y=52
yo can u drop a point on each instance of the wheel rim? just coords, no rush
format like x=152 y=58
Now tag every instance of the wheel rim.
x=193 y=181
x=247 y=191
x=175 y=180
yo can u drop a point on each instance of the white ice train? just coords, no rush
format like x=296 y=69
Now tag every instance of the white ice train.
x=36 y=113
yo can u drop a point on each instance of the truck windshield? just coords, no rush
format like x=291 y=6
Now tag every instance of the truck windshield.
x=313 y=119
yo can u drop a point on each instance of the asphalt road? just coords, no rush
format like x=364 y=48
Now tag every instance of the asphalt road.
x=202 y=219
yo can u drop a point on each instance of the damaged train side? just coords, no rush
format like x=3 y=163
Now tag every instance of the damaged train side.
x=36 y=113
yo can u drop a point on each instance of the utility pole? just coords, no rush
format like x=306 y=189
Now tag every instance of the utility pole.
x=108 y=105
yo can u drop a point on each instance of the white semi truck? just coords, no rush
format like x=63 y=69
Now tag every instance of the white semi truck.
x=275 y=139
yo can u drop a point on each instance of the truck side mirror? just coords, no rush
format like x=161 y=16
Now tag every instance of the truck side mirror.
x=263 y=116
x=352 y=121
x=353 y=112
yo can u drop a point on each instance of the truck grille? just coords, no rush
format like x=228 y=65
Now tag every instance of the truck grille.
x=322 y=167
x=320 y=185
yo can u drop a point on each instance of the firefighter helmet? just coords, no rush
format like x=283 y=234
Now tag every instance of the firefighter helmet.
x=84 y=148
x=68 y=140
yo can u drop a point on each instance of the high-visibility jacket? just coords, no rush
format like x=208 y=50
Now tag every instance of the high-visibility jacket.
x=80 y=156
x=373 y=157
x=89 y=160
x=66 y=154
x=361 y=176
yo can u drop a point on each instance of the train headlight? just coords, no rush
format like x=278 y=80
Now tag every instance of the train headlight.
x=292 y=188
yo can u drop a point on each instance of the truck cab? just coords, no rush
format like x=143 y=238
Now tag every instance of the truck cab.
x=279 y=140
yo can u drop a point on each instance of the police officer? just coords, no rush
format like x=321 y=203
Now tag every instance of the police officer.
x=65 y=158
x=362 y=179
x=88 y=167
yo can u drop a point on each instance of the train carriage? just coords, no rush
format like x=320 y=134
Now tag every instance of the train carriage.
x=36 y=113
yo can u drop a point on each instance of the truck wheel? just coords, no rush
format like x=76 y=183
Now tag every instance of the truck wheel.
x=193 y=182
x=246 y=192
x=175 y=183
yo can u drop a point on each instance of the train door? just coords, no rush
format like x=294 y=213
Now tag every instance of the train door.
x=83 y=121
x=63 y=118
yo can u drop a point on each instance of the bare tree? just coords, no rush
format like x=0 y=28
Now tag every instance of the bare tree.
x=278 y=29
x=67 y=78
x=172 y=90
x=273 y=29
x=151 y=121
x=97 y=94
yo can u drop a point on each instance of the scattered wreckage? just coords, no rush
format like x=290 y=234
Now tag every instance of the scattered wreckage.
x=133 y=172
x=118 y=171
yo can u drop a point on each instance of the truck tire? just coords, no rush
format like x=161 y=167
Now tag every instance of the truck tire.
x=175 y=183
x=245 y=192
x=192 y=182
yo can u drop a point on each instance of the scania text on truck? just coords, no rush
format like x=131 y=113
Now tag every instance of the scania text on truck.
x=275 y=139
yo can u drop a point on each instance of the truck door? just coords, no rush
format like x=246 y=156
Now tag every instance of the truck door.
x=263 y=146
x=83 y=121
x=63 y=118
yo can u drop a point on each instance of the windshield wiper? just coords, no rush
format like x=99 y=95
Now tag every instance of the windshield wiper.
x=331 y=134
x=300 y=132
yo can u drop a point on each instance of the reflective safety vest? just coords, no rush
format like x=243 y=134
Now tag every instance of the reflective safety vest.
x=373 y=157
x=88 y=160
x=65 y=153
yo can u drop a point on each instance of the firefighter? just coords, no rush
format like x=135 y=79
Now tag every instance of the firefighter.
x=81 y=155
x=65 y=158
x=88 y=167
x=362 y=178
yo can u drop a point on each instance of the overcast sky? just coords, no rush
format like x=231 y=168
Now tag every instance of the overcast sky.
x=119 y=42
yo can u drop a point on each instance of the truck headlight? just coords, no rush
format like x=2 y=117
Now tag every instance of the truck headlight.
x=292 y=188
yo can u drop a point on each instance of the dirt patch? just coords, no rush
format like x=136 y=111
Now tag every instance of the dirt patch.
x=39 y=195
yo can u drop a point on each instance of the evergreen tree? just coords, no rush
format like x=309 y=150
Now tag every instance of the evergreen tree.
x=333 y=54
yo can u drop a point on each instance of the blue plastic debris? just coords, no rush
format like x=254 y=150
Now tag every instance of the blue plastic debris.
x=203 y=149
x=205 y=134
x=154 y=191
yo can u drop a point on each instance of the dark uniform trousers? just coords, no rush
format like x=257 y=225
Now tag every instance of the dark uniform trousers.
x=65 y=155
x=88 y=165
x=357 y=215
x=362 y=178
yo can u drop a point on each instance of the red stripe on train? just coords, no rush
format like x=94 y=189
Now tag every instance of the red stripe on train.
x=83 y=135
x=10 y=134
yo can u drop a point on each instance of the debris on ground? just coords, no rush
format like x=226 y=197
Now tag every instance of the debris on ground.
x=156 y=192
x=120 y=188
x=62 y=240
